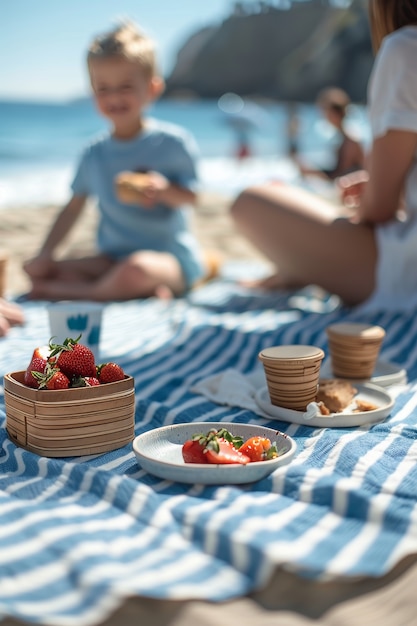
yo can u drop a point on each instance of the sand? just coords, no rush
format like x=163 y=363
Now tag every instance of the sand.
x=23 y=230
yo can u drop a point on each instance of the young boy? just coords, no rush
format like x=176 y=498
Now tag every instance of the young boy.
x=143 y=174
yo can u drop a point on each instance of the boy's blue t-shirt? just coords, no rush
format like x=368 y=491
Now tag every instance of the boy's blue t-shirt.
x=123 y=229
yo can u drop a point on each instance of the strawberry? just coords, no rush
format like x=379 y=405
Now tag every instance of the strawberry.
x=73 y=358
x=223 y=452
x=57 y=380
x=91 y=381
x=85 y=381
x=51 y=378
x=37 y=364
x=110 y=373
x=217 y=446
x=193 y=452
x=221 y=447
x=259 y=449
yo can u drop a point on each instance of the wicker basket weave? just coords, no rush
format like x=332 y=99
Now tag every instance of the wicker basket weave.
x=69 y=422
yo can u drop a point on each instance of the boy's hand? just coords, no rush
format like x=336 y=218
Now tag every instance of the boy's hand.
x=156 y=186
x=129 y=187
x=144 y=189
x=41 y=266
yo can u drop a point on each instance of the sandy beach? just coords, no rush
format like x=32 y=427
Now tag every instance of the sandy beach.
x=24 y=228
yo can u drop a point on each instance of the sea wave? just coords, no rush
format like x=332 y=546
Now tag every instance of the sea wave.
x=41 y=144
x=35 y=187
x=50 y=184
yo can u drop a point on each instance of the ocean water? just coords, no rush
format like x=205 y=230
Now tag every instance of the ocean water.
x=40 y=144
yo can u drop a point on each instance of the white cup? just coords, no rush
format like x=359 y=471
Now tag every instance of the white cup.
x=74 y=318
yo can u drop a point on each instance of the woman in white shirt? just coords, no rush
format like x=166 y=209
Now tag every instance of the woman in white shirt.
x=367 y=255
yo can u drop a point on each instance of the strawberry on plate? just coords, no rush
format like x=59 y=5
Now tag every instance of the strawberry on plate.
x=259 y=449
x=193 y=452
x=223 y=452
x=217 y=446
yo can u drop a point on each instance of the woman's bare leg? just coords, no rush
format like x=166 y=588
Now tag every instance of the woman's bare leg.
x=141 y=275
x=307 y=240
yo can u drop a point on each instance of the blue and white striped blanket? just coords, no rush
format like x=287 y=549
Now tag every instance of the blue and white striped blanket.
x=78 y=535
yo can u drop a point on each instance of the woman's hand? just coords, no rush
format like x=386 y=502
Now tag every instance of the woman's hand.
x=351 y=187
x=10 y=315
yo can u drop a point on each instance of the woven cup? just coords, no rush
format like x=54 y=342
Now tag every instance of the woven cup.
x=354 y=349
x=292 y=374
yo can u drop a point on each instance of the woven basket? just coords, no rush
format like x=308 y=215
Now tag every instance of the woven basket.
x=69 y=422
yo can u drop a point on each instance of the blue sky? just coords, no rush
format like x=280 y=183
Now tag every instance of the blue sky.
x=43 y=42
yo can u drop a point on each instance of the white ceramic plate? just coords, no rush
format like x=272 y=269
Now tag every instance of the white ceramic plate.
x=159 y=452
x=384 y=375
x=367 y=392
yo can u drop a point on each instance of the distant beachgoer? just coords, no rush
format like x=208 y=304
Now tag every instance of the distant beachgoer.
x=368 y=256
x=11 y=314
x=143 y=174
x=243 y=150
x=243 y=117
x=350 y=156
x=293 y=129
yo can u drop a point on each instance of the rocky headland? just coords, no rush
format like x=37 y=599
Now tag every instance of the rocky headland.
x=266 y=50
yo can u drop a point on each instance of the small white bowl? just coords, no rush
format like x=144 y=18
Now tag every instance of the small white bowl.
x=159 y=452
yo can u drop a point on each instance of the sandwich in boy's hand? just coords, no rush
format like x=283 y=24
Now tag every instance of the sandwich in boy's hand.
x=131 y=187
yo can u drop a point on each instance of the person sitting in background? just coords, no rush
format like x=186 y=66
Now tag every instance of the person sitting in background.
x=350 y=156
x=369 y=256
x=143 y=174
x=10 y=315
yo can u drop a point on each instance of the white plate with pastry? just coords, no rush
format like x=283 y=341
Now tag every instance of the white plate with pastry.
x=385 y=373
x=376 y=401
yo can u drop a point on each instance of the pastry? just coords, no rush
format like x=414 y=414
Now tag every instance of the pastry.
x=335 y=394
x=130 y=186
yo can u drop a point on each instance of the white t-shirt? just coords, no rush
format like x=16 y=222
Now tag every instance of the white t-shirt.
x=392 y=97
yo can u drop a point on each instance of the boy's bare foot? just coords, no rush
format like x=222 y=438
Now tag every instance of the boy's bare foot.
x=164 y=293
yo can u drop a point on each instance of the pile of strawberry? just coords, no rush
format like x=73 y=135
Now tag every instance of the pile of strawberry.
x=67 y=365
x=221 y=447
